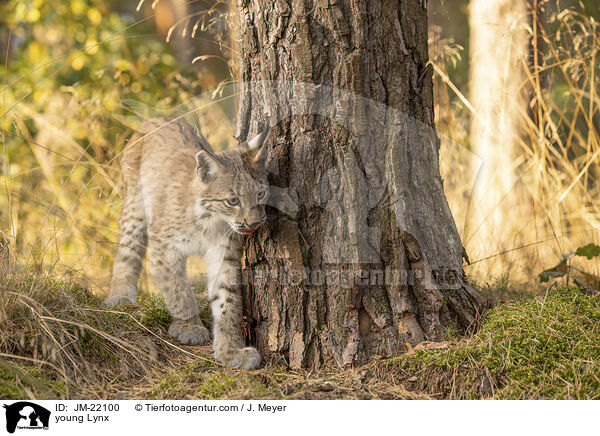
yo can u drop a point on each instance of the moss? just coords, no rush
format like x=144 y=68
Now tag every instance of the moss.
x=195 y=381
x=450 y=332
x=546 y=347
x=155 y=313
x=20 y=382
x=216 y=385
x=208 y=380
x=84 y=297
x=95 y=346
x=8 y=384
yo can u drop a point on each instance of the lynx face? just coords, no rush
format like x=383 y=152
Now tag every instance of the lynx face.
x=233 y=186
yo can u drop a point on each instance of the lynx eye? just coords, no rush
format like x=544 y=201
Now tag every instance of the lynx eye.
x=261 y=195
x=233 y=201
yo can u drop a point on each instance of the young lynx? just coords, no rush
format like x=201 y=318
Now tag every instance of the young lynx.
x=181 y=198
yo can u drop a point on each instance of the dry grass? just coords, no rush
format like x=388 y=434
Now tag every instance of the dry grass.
x=57 y=341
x=203 y=381
x=65 y=332
x=554 y=205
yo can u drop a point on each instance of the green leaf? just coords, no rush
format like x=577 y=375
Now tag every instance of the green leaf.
x=589 y=251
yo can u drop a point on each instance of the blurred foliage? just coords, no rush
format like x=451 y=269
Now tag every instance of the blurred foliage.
x=94 y=54
x=449 y=18
x=70 y=65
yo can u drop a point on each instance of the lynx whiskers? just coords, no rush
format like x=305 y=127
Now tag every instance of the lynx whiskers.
x=181 y=199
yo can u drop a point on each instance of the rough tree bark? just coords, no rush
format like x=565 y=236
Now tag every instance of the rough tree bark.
x=372 y=260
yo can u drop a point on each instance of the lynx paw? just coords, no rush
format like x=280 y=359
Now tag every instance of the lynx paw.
x=243 y=358
x=116 y=300
x=189 y=331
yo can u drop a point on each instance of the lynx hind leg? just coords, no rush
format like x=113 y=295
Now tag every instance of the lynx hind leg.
x=133 y=236
x=130 y=255
x=171 y=278
x=226 y=303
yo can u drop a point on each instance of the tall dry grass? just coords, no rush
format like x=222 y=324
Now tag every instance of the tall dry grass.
x=60 y=190
x=553 y=207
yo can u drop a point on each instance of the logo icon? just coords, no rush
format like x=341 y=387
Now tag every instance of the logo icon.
x=26 y=415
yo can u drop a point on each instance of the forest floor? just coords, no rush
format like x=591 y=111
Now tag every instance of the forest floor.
x=57 y=340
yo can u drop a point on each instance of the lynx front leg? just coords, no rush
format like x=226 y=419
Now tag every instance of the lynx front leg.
x=223 y=268
x=171 y=278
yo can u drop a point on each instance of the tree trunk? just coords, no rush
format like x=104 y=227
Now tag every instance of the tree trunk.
x=372 y=261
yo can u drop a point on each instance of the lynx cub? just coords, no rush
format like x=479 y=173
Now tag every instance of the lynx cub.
x=181 y=198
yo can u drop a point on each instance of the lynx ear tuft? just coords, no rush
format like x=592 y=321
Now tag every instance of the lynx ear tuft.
x=258 y=148
x=207 y=165
x=257 y=142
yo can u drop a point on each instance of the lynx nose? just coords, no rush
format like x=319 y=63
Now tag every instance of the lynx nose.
x=255 y=217
x=255 y=223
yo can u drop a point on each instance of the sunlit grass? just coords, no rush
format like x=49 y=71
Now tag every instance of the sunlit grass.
x=553 y=206
x=64 y=125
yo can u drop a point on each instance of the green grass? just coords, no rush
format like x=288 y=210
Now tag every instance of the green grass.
x=18 y=381
x=210 y=381
x=154 y=311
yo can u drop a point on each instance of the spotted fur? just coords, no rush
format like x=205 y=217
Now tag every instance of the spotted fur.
x=181 y=199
